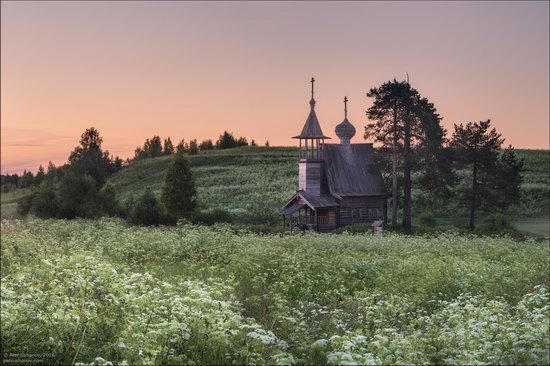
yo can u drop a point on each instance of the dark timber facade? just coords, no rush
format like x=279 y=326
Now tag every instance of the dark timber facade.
x=338 y=183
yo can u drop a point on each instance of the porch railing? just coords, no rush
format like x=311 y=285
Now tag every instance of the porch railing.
x=312 y=220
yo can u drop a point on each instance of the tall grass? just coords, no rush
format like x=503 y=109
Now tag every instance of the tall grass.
x=77 y=290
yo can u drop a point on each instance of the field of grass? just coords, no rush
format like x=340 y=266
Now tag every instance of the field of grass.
x=96 y=291
x=533 y=226
x=9 y=201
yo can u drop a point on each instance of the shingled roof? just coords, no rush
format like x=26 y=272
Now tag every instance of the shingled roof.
x=350 y=170
x=311 y=200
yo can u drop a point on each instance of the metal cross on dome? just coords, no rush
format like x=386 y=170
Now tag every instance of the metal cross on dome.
x=346 y=107
x=312 y=81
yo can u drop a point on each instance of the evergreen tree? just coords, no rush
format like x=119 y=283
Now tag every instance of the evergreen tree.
x=405 y=119
x=253 y=143
x=266 y=143
x=476 y=147
x=139 y=153
x=388 y=111
x=116 y=164
x=89 y=159
x=152 y=148
x=40 y=175
x=155 y=147
x=242 y=142
x=206 y=145
x=193 y=148
x=26 y=179
x=180 y=148
x=168 y=147
x=146 y=210
x=508 y=178
x=225 y=141
x=51 y=168
x=178 y=193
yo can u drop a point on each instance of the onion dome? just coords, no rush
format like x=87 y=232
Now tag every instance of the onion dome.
x=345 y=130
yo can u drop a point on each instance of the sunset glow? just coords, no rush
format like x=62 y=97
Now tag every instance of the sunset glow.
x=194 y=69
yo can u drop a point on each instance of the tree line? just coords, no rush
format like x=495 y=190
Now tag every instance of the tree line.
x=154 y=147
x=412 y=140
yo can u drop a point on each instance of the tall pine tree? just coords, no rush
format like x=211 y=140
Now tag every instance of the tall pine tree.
x=494 y=178
x=403 y=119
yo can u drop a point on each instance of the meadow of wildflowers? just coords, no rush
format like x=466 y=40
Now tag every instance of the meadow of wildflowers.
x=101 y=292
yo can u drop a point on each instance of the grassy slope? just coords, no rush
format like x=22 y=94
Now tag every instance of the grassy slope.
x=259 y=179
x=255 y=181
x=242 y=180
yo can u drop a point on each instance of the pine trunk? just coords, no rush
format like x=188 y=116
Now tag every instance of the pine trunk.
x=473 y=199
x=407 y=162
x=394 y=171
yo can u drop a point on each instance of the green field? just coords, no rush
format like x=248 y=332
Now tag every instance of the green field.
x=9 y=201
x=96 y=291
x=533 y=226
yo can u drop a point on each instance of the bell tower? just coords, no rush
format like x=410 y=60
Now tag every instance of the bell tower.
x=311 y=138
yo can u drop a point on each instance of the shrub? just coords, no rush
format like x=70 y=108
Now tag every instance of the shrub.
x=427 y=219
x=77 y=196
x=492 y=225
x=44 y=201
x=107 y=199
x=212 y=216
x=147 y=211
x=24 y=205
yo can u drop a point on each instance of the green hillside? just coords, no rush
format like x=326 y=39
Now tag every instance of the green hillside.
x=253 y=182
x=249 y=182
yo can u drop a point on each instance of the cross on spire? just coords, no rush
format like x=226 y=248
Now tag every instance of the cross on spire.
x=312 y=100
x=346 y=107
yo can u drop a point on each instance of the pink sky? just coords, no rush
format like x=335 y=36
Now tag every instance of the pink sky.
x=193 y=69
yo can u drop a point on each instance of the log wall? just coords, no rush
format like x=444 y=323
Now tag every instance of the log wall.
x=310 y=176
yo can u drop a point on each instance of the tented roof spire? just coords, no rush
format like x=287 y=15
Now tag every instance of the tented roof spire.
x=312 y=129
